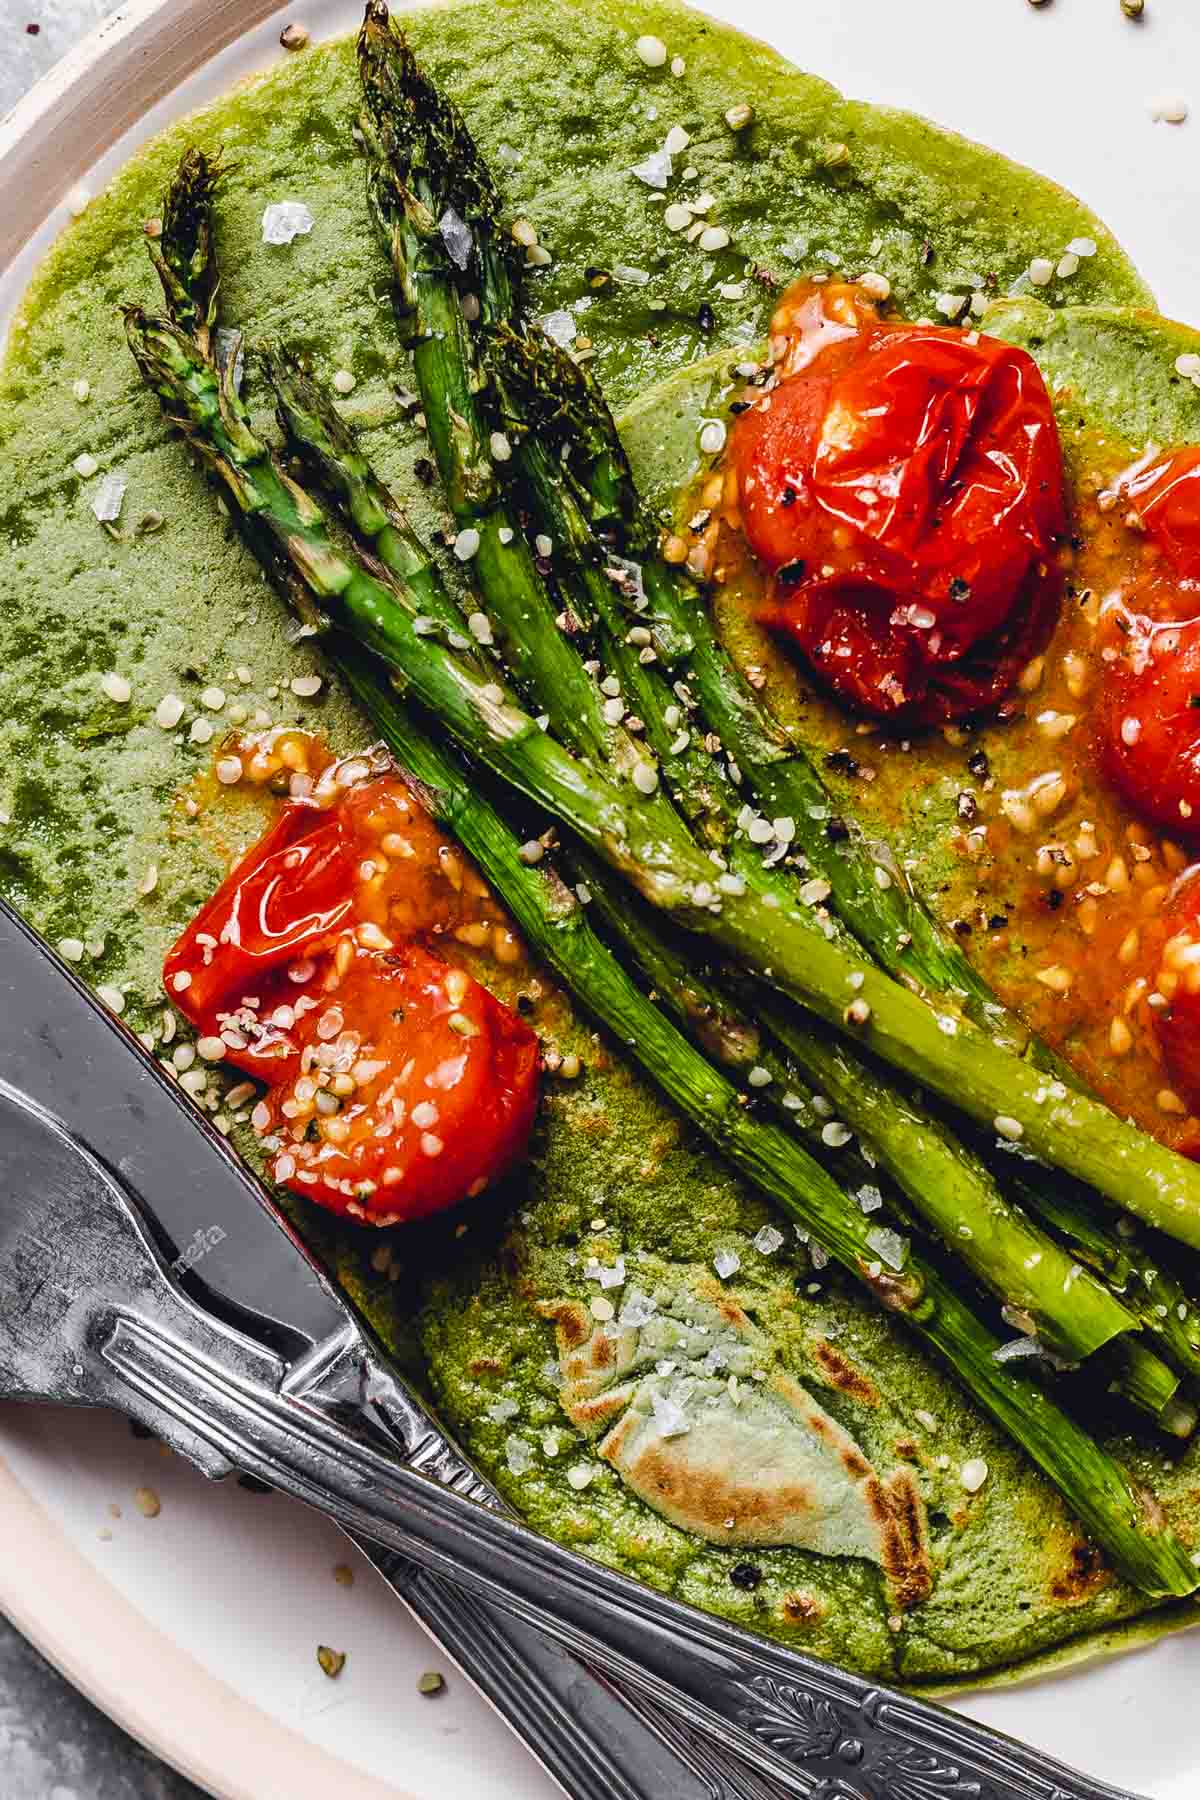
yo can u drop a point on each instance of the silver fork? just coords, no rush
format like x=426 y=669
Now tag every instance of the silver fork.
x=91 y=1314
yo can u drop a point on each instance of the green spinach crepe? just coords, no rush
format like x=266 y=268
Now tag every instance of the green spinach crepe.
x=861 y=1543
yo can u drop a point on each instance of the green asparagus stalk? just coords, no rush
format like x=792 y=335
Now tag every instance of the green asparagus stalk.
x=283 y=525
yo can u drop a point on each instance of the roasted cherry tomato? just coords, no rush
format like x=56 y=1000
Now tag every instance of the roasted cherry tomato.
x=1165 y=496
x=416 y=1087
x=1178 y=1026
x=1148 y=721
x=398 y=1083
x=904 y=485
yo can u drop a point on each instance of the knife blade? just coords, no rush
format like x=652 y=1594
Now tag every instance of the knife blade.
x=238 y=1255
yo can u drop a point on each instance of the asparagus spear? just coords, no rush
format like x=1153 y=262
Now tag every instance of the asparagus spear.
x=1123 y=1519
x=184 y=257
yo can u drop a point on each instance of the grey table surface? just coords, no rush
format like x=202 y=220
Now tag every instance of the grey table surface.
x=54 y=1745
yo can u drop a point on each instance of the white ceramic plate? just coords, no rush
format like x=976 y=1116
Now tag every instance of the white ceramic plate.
x=198 y=1629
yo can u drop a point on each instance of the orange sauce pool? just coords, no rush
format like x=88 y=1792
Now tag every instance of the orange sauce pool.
x=1011 y=832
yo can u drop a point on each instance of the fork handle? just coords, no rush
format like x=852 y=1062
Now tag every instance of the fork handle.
x=824 y=1734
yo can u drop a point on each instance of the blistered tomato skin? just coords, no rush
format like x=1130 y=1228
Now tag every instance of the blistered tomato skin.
x=1148 y=729
x=1148 y=722
x=1165 y=496
x=904 y=484
x=1177 y=1026
x=398 y=1085
x=442 y=1088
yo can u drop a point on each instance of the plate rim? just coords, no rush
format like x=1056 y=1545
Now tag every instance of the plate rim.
x=144 y=1681
x=105 y=85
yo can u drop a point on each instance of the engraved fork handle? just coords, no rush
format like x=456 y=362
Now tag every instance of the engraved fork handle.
x=823 y=1733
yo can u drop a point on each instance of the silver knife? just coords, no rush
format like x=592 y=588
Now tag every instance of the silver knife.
x=90 y=1313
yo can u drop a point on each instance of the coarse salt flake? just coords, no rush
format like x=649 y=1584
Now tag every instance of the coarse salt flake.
x=284 y=220
x=669 y=1416
x=108 y=497
x=344 y=382
x=889 y=1246
x=114 y=687
x=712 y=437
x=654 y=170
x=727 y=1263
x=559 y=327
x=85 y=466
x=767 y=1240
x=517 y=1455
x=1041 y=271
x=456 y=236
x=637 y=1309
x=714 y=237
x=580 y=1475
x=305 y=686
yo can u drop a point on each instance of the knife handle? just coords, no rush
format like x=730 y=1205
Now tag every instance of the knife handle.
x=823 y=1733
